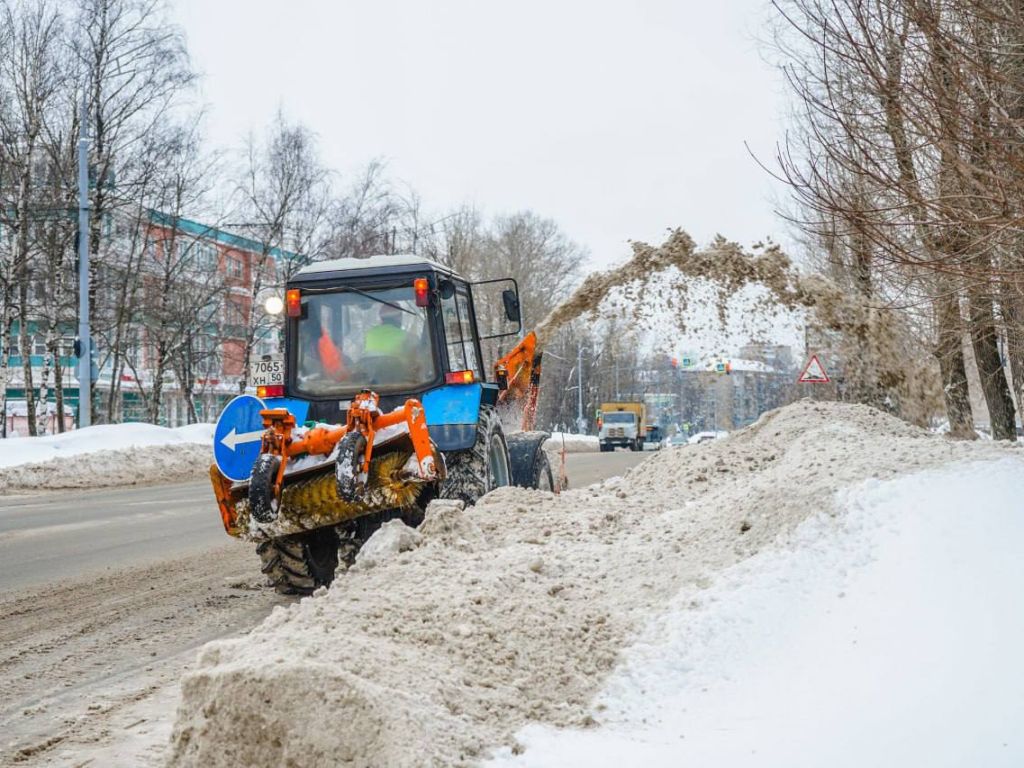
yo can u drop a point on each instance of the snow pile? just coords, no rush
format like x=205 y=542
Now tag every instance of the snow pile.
x=444 y=652
x=892 y=622
x=572 y=443
x=106 y=455
x=390 y=539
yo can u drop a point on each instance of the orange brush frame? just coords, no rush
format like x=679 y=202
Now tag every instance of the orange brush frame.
x=363 y=416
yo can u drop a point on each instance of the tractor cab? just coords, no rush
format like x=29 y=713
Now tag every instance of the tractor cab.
x=401 y=326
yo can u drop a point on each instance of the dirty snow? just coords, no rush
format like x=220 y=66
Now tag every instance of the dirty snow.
x=106 y=455
x=518 y=610
x=885 y=636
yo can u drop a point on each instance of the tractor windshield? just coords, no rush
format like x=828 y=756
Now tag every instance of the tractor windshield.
x=364 y=339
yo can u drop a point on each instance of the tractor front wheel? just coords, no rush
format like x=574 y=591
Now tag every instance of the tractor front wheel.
x=297 y=565
x=482 y=468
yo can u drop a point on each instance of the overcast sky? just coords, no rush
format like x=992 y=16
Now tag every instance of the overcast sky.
x=617 y=119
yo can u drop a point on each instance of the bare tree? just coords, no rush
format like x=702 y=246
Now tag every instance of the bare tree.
x=283 y=200
x=901 y=159
x=134 y=68
x=31 y=72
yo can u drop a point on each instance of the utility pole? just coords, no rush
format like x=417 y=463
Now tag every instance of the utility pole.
x=84 y=341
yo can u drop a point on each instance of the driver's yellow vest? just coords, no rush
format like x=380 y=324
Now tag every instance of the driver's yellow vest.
x=386 y=340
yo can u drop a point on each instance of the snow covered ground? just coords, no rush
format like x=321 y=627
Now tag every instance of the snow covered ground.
x=573 y=443
x=888 y=636
x=104 y=437
x=105 y=455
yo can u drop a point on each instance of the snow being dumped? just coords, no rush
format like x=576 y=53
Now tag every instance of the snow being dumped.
x=518 y=610
x=106 y=455
x=883 y=363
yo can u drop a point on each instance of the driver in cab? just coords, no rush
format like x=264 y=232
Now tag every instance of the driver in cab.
x=389 y=338
x=388 y=349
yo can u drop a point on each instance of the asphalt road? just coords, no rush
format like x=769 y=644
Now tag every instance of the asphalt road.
x=67 y=535
x=58 y=536
x=105 y=598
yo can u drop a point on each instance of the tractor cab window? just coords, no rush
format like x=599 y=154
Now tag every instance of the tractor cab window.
x=357 y=339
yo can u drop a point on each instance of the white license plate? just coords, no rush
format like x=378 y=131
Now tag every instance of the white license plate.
x=268 y=371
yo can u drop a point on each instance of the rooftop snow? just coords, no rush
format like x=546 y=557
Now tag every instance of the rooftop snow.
x=373 y=262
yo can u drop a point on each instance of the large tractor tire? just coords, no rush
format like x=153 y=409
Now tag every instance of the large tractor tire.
x=482 y=468
x=531 y=465
x=297 y=565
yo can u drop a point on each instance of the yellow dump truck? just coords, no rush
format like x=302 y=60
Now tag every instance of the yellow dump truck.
x=622 y=424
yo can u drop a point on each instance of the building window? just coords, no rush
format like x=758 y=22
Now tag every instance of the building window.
x=234 y=313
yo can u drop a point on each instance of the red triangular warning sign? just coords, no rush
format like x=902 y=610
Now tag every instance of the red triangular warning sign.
x=814 y=373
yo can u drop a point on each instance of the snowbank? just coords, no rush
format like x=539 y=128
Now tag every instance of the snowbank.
x=573 y=443
x=891 y=623
x=517 y=610
x=106 y=455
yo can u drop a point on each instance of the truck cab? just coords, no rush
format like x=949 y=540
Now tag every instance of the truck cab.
x=622 y=425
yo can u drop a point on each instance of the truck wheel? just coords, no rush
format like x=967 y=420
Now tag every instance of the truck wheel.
x=297 y=565
x=604 y=448
x=482 y=468
x=531 y=465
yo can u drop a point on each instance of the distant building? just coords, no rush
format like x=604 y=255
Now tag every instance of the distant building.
x=729 y=393
x=219 y=345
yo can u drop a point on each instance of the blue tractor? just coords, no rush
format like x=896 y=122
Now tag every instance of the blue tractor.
x=379 y=404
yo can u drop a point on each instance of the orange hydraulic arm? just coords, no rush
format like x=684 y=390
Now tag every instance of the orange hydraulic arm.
x=518 y=375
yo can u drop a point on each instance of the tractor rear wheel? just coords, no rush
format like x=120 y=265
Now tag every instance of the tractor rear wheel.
x=297 y=565
x=531 y=464
x=482 y=468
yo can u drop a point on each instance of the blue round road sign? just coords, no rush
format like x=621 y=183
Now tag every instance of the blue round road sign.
x=238 y=437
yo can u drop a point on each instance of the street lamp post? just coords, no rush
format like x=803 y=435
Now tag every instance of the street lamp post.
x=85 y=344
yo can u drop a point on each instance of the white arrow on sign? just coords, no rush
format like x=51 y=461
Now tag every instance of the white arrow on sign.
x=232 y=438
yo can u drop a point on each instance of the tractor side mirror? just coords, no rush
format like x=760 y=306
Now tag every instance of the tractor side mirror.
x=511 y=302
x=446 y=289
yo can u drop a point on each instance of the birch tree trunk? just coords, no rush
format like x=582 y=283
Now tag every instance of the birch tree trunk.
x=58 y=384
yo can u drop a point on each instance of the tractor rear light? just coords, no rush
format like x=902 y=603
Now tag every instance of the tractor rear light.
x=459 y=377
x=422 y=291
x=273 y=391
x=293 y=298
